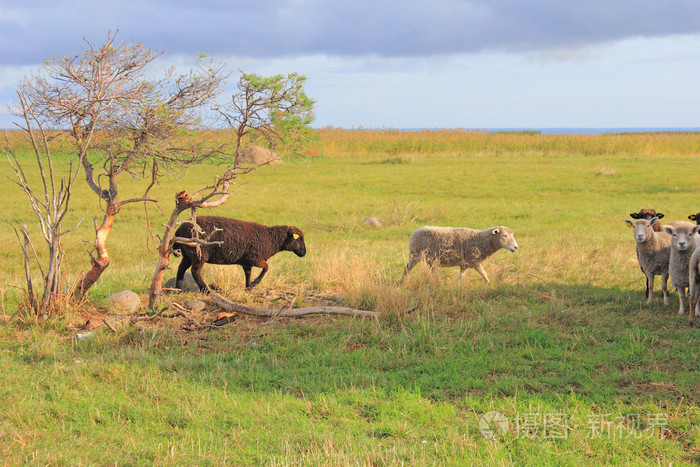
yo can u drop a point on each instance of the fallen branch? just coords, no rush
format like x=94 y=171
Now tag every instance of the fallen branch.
x=290 y=313
x=180 y=314
x=109 y=326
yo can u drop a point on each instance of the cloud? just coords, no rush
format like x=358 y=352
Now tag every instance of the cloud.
x=31 y=31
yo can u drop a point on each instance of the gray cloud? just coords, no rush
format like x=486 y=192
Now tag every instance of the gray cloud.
x=32 y=30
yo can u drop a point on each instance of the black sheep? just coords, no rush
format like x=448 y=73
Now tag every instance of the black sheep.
x=648 y=214
x=245 y=243
x=695 y=217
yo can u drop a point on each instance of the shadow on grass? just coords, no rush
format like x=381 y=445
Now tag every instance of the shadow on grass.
x=550 y=340
x=546 y=339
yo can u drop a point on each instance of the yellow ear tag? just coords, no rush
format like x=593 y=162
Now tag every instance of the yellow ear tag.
x=296 y=236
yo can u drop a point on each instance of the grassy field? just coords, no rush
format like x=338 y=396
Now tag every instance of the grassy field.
x=562 y=344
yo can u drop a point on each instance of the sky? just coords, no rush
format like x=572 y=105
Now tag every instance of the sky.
x=406 y=63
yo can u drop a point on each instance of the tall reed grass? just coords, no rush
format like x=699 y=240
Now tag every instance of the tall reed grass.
x=344 y=142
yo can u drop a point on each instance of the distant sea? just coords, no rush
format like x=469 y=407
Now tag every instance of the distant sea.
x=569 y=131
x=596 y=131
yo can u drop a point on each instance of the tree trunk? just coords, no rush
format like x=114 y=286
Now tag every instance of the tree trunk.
x=101 y=260
x=27 y=272
x=155 y=291
x=53 y=275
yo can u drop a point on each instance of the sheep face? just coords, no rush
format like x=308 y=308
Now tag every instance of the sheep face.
x=295 y=242
x=682 y=236
x=642 y=229
x=504 y=237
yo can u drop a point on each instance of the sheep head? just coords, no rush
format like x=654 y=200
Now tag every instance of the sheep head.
x=682 y=235
x=642 y=229
x=294 y=241
x=504 y=237
x=647 y=214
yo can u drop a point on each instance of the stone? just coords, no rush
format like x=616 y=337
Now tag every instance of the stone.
x=188 y=283
x=257 y=155
x=83 y=336
x=126 y=300
x=373 y=222
x=194 y=305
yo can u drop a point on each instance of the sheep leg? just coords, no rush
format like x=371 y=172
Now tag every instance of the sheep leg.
x=264 y=266
x=681 y=296
x=411 y=263
x=646 y=292
x=246 y=272
x=185 y=263
x=664 y=287
x=694 y=293
x=197 y=275
x=650 y=287
x=646 y=284
x=480 y=269
x=462 y=270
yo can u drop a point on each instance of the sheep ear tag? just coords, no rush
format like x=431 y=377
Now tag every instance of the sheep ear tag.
x=295 y=236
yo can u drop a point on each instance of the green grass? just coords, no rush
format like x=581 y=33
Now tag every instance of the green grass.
x=563 y=343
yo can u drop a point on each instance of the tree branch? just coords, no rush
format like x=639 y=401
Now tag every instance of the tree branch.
x=291 y=313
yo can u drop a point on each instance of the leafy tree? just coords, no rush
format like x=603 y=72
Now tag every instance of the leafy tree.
x=273 y=109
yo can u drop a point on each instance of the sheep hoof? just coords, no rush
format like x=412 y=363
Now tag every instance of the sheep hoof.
x=693 y=324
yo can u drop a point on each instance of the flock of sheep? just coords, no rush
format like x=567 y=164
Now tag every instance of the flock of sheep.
x=669 y=250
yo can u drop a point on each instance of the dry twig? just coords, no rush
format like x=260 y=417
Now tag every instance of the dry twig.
x=109 y=326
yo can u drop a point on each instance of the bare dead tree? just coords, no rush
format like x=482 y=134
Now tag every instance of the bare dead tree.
x=274 y=109
x=121 y=120
x=50 y=207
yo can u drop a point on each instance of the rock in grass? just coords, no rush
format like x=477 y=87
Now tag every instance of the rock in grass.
x=188 y=283
x=373 y=222
x=195 y=305
x=257 y=155
x=83 y=336
x=126 y=300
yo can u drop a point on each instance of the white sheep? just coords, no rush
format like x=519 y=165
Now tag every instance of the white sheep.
x=457 y=246
x=653 y=253
x=683 y=244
